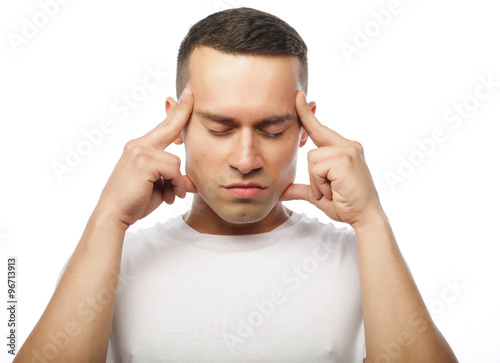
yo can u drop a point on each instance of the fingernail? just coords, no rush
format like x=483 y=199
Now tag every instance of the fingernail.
x=304 y=97
x=184 y=94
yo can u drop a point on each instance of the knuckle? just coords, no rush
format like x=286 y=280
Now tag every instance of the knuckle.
x=348 y=155
x=331 y=175
x=323 y=129
x=353 y=150
x=179 y=107
x=166 y=125
x=170 y=125
x=130 y=145
x=311 y=156
x=140 y=158
x=176 y=161
x=358 y=147
x=313 y=170
x=137 y=156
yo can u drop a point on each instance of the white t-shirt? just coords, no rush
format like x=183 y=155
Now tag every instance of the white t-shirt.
x=288 y=295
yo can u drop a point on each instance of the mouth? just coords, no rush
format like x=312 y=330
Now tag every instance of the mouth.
x=245 y=190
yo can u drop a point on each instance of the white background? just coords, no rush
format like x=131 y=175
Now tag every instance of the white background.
x=395 y=90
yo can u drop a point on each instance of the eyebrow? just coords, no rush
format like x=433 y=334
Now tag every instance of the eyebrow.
x=267 y=120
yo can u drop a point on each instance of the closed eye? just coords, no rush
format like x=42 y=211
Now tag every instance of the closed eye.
x=220 y=133
x=270 y=135
x=271 y=127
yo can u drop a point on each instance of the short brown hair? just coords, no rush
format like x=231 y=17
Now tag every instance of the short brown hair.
x=242 y=31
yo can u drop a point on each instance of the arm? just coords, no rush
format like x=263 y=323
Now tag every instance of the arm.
x=77 y=320
x=397 y=323
x=76 y=324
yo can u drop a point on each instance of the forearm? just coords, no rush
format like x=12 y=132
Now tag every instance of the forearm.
x=397 y=323
x=77 y=320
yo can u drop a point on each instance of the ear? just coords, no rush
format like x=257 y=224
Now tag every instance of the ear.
x=312 y=107
x=303 y=135
x=169 y=104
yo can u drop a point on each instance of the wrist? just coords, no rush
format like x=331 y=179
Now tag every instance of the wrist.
x=103 y=236
x=372 y=215
x=102 y=218
x=376 y=238
x=375 y=221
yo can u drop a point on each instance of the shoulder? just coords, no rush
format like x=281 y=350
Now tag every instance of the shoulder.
x=332 y=240
x=309 y=227
x=171 y=228
x=153 y=239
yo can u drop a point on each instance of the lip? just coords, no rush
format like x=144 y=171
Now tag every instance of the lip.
x=245 y=185
x=245 y=190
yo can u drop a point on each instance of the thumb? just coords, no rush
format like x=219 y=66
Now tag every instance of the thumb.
x=297 y=192
x=190 y=187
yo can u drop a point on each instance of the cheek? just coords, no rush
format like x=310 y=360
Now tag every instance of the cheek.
x=203 y=153
x=290 y=166
x=194 y=143
x=284 y=163
x=195 y=153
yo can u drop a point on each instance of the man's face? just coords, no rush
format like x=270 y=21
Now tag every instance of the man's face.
x=243 y=137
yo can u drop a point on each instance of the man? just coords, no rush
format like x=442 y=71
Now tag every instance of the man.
x=239 y=278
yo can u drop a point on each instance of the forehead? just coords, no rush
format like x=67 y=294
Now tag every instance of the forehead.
x=253 y=84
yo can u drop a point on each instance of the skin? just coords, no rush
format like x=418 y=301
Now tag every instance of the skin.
x=246 y=89
x=243 y=129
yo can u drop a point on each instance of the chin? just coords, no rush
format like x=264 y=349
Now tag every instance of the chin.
x=243 y=214
x=228 y=211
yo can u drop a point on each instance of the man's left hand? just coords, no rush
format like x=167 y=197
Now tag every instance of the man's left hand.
x=340 y=182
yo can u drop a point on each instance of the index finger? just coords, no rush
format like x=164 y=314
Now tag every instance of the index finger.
x=319 y=133
x=169 y=129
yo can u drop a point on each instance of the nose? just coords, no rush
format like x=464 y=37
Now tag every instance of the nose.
x=245 y=155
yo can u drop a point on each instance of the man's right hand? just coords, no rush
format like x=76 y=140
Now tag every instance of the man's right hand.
x=143 y=178
x=146 y=175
